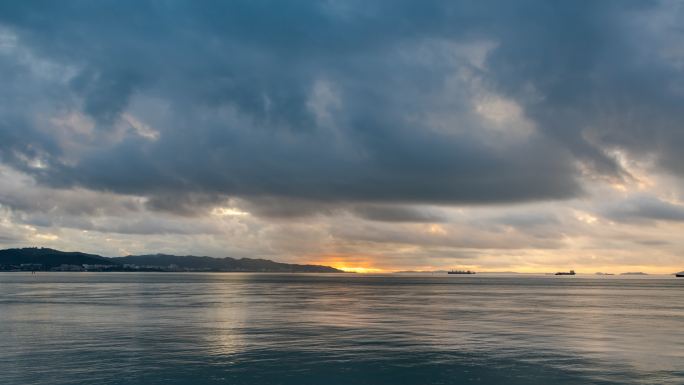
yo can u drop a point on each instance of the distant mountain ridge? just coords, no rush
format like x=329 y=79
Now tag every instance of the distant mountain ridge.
x=35 y=258
x=220 y=264
x=50 y=257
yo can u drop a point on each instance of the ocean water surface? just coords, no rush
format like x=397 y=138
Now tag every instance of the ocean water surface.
x=193 y=328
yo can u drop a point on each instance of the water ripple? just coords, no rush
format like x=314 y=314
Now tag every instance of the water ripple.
x=72 y=328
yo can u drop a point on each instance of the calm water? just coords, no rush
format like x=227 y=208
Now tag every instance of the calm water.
x=159 y=328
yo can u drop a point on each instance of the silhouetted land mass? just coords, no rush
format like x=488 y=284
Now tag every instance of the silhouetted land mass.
x=39 y=259
x=49 y=258
x=220 y=264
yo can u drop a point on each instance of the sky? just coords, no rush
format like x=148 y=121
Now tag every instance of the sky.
x=370 y=135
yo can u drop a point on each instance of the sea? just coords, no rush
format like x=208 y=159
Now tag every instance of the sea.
x=235 y=328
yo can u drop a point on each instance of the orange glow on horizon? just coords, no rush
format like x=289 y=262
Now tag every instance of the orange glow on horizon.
x=532 y=264
x=350 y=264
x=360 y=270
x=368 y=265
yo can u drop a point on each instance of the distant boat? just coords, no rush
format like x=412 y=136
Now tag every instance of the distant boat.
x=680 y=274
x=460 y=272
x=571 y=272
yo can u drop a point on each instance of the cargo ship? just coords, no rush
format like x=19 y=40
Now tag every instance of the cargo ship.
x=460 y=272
x=571 y=272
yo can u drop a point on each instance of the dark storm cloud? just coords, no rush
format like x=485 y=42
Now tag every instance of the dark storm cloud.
x=307 y=104
x=20 y=92
x=606 y=75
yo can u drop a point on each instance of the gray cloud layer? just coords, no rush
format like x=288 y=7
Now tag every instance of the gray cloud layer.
x=309 y=104
x=644 y=208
